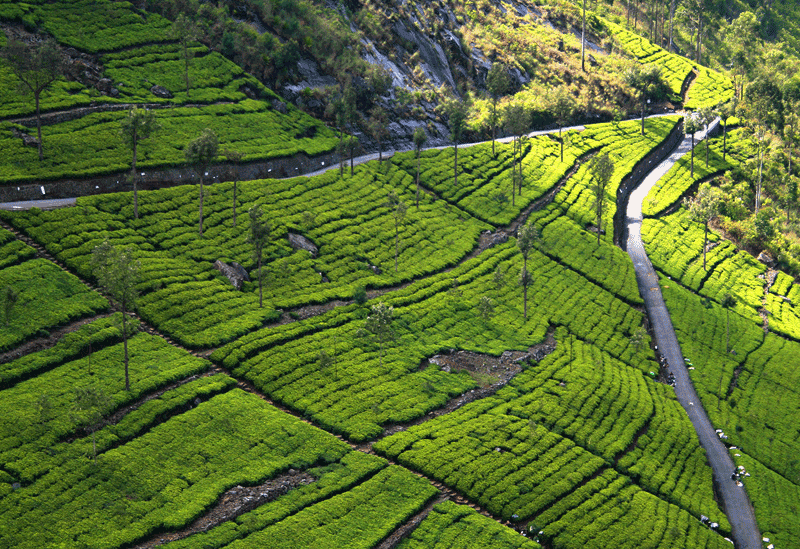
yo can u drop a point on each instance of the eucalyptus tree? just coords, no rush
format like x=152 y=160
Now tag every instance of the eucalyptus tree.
x=137 y=126
x=647 y=84
x=117 y=272
x=258 y=238
x=691 y=126
x=378 y=325
x=200 y=153
x=399 y=210
x=602 y=168
x=456 y=112
x=498 y=83
x=420 y=137
x=527 y=237
x=703 y=208
x=37 y=67
x=185 y=31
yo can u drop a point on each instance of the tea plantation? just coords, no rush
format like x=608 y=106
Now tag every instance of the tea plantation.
x=306 y=422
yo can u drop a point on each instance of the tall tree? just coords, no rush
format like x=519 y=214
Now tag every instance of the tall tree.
x=342 y=107
x=691 y=126
x=728 y=302
x=791 y=102
x=137 y=126
x=703 y=208
x=602 y=169
x=764 y=103
x=258 y=238
x=498 y=83
x=527 y=237
x=725 y=111
x=706 y=117
x=235 y=158
x=399 y=210
x=672 y=6
x=88 y=407
x=517 y=122
x=647 y=84
x=117 y=272
x=377 y=127
x=742 y=38
x=420 y=137
x=185 y=31
x=563 y=107
x=583 y=38
x=456 y=111
x=200 y=153
x=379 y=326
x=10 y=296
x=37 y=67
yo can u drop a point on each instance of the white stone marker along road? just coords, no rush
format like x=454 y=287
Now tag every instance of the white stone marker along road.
x=735 y=500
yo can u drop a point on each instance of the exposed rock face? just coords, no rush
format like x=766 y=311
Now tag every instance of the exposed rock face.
x=765 y=258
x=299 y=242
x=161 y=91
x=27 y=140
x=234 y=272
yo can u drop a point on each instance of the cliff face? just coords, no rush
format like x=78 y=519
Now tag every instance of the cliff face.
x=429 y=50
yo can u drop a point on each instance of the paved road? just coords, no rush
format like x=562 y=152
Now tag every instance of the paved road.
x=736 y=502
x=44 y=204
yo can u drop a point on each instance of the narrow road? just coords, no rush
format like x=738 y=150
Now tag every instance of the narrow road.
x=736 y=503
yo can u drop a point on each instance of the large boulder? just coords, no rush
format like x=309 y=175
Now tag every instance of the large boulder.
x=233 y=272
x=765 y=258
x=299 y=242
x=161 y=91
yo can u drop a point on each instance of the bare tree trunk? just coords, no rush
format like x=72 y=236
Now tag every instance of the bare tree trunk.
x=38 y=125
x=125 y=346
x=133 y=176
x=396 y=243
x=455 y=166
x=699 y=36
x=525 y=289
x=417 y=179
x=201 y=201
x=260 y=284
x=583 y=44
x=724 y=138
x=671 y=21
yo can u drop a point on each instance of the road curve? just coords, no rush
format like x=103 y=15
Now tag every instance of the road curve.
x=736 y=503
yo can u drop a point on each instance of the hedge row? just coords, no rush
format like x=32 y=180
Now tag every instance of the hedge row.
x=672 y=187
x=727 y=270
x=48 y=297
x=351 y=470
x=167 y=477
x=92 y=336
x=453 y=526
x=72 y=148
x=13 y=251
x=348 y=218
x=360 y=390
x=37 y=413
x=709 y=88
x=566 y=420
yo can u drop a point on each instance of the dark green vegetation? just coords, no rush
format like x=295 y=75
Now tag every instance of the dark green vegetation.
x=582 y=445
x=591 y=402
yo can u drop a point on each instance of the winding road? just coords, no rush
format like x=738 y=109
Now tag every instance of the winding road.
x=734 y=497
